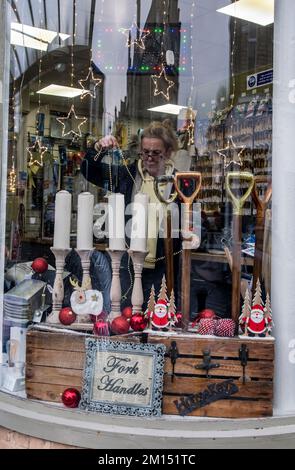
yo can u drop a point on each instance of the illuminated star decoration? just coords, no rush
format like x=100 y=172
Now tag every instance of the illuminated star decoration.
x=38 y=148
x=168 y=84
x=230 y=152
x=135 y=36
x=93 y=83
x=66 y=123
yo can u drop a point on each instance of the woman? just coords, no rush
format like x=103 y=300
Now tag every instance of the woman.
x=158 y=143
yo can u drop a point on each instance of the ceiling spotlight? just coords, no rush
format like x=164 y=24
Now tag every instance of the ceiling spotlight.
x=256 y=11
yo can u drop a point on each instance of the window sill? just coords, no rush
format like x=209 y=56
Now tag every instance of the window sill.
x=76 y=428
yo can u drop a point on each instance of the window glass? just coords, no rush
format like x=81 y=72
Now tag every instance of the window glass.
x=82 y=70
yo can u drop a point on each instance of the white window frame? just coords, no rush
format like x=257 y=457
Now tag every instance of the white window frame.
x=4 y=110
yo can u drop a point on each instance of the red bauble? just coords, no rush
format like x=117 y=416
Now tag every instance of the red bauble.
x=205 y=314
x=101 y=328
x=71 y=398
x=40 y=265
x=120 y=326
x=138 y=322
x=67 y=316
x=127 y=313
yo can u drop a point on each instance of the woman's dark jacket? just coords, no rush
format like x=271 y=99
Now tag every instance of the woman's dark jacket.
x=98 y=173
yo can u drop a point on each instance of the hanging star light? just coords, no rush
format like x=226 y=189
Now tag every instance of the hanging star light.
x=135 y=36
x=66 y=123
x=168 y=84
x=93 y=83
x=231 y=152
x=38 y=148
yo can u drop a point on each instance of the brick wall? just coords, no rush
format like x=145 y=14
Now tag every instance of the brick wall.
x=13 y=440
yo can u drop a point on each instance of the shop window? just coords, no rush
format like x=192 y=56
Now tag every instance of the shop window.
x=111 y=69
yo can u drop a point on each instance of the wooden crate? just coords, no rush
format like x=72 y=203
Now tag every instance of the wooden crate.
x=254 y=397
x=55 y=362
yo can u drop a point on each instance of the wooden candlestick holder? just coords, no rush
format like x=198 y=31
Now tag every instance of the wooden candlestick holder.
x=116 y=291
x=58 y=287
x=85 y=257
x=137 y=298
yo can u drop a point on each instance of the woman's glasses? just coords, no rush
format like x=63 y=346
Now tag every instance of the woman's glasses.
x=145 y=154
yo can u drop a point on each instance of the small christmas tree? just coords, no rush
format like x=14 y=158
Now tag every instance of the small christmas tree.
x=172 y=309
x=257 y=300
x=246 y=310
x=268 y=314
x=172 y=306
x=152 y=300
x=163 y=291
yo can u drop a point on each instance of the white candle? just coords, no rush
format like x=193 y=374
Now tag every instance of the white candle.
x=139 y=223
x=116 y=221
x=62 y=225
x=85 y=221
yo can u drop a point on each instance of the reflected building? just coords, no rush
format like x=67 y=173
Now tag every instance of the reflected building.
x=165 y=34
x=252 y=49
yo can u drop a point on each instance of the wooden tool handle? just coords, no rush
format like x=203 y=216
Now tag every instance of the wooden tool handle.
x=185 y=289
x=164 y=180
x=168 y=246
x=189 y=175
x=261 y=204
x=236 y=268
x=238 y=202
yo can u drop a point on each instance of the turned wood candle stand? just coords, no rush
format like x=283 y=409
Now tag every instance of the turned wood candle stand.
x=58 y=287
x=116 y=291
x=137 y=298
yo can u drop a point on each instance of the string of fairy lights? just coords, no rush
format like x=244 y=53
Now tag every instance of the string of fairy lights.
x=12 y=174
x=190 y=112
x=12 y=178
x=232 y=153
x=73 y=42
x=165 y=17
x=37 y=149
x=192 y=88
x=67 y=121
x=158 y=80
x=40 y=66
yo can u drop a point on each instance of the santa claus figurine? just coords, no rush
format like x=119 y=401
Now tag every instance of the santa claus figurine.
x=161 y=317
x=161 y=314
x=256 y=323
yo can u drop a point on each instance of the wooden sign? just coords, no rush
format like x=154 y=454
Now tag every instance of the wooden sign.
x=123 y=378
x=214 y=392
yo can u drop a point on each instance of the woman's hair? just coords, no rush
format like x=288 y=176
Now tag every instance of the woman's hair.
x=163 y=131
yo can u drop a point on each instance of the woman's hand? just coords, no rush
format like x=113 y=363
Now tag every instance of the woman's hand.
x=109 y=141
